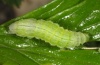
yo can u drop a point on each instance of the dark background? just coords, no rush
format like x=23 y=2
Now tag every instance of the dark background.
x=8 y=11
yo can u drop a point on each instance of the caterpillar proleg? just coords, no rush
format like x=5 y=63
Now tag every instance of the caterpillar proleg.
x=49 y=32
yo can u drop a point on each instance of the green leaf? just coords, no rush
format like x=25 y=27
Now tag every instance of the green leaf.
x=25 y=51
x=77 y=15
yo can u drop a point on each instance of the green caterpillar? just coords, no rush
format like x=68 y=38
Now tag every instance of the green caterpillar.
x=49 y=32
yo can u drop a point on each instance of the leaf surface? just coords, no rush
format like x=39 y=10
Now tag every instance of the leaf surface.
x=77 y=15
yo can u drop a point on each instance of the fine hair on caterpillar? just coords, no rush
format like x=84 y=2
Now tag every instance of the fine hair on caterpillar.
x=49 y=32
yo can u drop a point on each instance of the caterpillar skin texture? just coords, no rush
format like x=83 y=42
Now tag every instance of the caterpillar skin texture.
x=49 y=32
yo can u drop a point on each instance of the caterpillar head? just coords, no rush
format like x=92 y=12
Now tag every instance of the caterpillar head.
x=22 y=27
